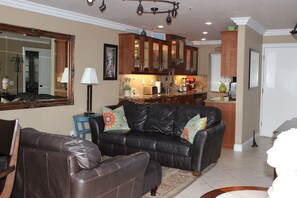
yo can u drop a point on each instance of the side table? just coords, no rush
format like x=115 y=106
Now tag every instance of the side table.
x=237 y=192
x=81 y=124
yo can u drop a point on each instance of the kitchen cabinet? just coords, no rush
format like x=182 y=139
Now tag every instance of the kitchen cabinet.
x=159 y=56
x=177 y=53
x=134 y=54
x=191 y=63
x=142 y=55
x=228 y=116
x=229 y=53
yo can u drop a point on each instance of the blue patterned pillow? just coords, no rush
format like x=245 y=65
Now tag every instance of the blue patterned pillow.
x=115 y=120
x=192 y=127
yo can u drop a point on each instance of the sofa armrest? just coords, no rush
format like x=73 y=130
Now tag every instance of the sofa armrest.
x=122 y=177
x=96 y=127
x=206 y=148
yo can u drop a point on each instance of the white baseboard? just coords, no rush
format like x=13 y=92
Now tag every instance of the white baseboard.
x=245 y=145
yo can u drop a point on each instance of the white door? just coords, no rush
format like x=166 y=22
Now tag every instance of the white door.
x=279 y=84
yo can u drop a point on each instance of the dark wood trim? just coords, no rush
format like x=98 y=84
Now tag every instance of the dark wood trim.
x=70 y=39
x=216 y=192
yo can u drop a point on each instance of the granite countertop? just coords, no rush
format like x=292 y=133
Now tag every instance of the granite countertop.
x=220 y=100
x=155 y=96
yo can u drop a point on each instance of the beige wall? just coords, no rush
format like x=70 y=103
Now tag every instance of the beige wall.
x=203 y=57
x=247 y=100
x=279 y=39
x=89 y=40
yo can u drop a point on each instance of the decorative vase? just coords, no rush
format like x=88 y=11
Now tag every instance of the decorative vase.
x=143 y=33
x=222 y=88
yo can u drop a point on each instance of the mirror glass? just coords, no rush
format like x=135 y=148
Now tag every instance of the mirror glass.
x=32 y=64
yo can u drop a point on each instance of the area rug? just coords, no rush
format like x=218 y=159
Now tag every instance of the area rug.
x=173 y=182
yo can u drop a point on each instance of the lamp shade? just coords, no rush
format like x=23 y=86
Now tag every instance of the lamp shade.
x=89 y=76
x=65 y=76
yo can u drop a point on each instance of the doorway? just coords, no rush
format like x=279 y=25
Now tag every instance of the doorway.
x=37 y=71
x=279 y=86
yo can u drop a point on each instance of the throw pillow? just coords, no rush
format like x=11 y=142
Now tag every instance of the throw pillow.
x=192 y=127
x=115 y=120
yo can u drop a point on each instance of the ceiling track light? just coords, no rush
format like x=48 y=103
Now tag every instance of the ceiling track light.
x=102 y=7
x=90 y=2
x=172 y=13
x=294 y=32
x=168 y=18
x=139 y=10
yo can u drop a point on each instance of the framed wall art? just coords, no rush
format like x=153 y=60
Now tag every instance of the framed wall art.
x=254 y=69
x=110 y=63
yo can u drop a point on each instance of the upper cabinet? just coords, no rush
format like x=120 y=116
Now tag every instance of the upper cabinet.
x=177 y=53
x=134 y=53
x=191 y=63
x=143 y=55
x=229 y=53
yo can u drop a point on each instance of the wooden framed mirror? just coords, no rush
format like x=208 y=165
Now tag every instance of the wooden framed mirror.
x=32 y=63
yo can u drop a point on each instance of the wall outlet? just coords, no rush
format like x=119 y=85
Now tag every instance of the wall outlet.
x=72 y=133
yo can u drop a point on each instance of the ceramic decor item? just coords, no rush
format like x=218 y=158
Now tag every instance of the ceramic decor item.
x=222 y=88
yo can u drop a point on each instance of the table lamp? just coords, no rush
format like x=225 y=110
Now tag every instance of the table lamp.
x=64 y=78
x=89 y=77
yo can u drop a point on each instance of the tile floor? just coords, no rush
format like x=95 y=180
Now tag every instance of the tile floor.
x=247 y=168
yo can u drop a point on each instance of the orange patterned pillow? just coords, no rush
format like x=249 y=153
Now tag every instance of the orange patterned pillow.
x=115 y=120
x=192 y=127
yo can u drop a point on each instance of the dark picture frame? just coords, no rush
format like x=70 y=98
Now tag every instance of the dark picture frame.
x=254 y=64
x=110 y=62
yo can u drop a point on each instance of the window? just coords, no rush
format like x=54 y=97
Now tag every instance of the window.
x=215 y=73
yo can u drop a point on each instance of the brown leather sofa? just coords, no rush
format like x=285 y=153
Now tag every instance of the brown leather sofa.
x=156 y=128
x=60 y=166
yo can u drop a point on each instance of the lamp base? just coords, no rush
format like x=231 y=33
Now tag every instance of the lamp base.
x=88 y=113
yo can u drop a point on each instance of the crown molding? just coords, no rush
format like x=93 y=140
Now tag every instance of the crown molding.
x=249 y=21
x=210 y=42
x=47 y=10
x=278 y=32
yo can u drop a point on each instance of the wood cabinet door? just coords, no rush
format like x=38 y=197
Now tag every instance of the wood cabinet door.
x=229 y=53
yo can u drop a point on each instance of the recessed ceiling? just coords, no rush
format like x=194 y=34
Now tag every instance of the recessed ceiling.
x=192 y=15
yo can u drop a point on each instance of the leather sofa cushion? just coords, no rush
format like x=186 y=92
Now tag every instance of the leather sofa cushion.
x=213 y=115
x=160 y=119
x=118 y=138
x=159 y=142
x=87 y=154
x=173 y=145
x=136 y=114
x=143 y=141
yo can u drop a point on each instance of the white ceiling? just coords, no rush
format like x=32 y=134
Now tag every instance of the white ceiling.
x=192 y=15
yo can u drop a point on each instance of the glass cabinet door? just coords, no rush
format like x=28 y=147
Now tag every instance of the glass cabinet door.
x=181 y=51
x=156 y=55
x=173 y=50
x=146 y=56
x=195 y=61
x=165 y=57
x=188 y=59
x=137 y=53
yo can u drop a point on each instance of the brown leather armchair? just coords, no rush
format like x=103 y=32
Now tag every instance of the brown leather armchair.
x=53 y=165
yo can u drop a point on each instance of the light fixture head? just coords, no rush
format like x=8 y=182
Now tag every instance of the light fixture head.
x=294 y=32
x=139 y=10
x=102 y=7
x=89 y=77
x=90 y=2
x=174 y=13
x=64 y=78
x=168 y=18
x=154 y=10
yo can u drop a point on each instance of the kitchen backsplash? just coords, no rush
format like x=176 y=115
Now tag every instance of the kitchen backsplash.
x=138 y=82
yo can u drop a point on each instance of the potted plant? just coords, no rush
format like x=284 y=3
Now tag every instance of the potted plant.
x=127 y=90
